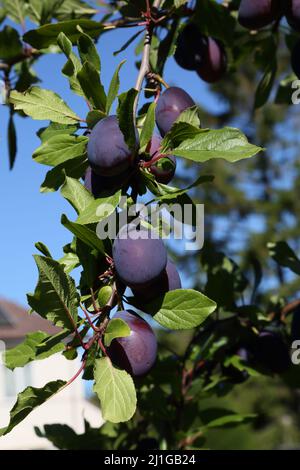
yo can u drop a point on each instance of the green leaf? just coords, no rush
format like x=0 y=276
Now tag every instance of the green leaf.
x=77 y=195
x=74 y=9
x=55 y=297
x=190 y=116
x=265 y=85
x=231 y=420
x=116 y=391
x=15 y=9
x=89 y=79
x=214 y=19
x=88 y=52
x=46 y=35
x=93 y=117
x=99 y=209
x=117 y=328
x=70 y=261
x=10 y=44
x=229 y=144
x=181 y=309
x=27 y=351
x=113 y=88
x=28 y=400
x=74 y=168
x=51 y=341
x=43 y=249
x=170 y=193
x=84 y=233
x=60 y=148
x=12 y=141
x=26 y=76
x=44 y=105
x=285 y=256
x=73 y=65
x=148 y=126
x=126 y=117
x=54 y=129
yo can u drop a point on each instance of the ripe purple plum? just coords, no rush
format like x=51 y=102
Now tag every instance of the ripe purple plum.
x=171 y=103
x=139 y=256
x=108 y=154
x=256 y=14
x=163 y=169
x=292 y=12
x=137 y=352
x=168 y=281
x=97 y=184
x=214 y=61
x=190 y=46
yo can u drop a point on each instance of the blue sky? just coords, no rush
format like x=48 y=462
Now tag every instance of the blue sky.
x=27 y=216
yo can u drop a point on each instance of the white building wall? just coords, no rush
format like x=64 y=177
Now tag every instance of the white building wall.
x=67 y=407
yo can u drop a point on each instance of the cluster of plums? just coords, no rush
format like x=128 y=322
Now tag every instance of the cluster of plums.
x=110 y=159
x=202 y=54
x=256 y=14
x=139 y=255
x=141 y=263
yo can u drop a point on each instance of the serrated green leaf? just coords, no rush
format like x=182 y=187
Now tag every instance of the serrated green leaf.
x=117 y=328
x=30 y=399
x=70 y=261
x=148 y=126
x=27 y=351
x=46 y=35
x=84 y=233
x=77 y=195
x=116 y=391
x=170 y=193
x=181 y=309
x=74 y=9
x=190 y=116
x=55 y=297
x=126 y=117
x=229 y=144
x=54 y=129
x=44 y=105
x=72 y=66
x=88 y=52
x=60 y=148
x=10 y=43
x=75 y=168
x=113 y=88
x=89 y=79
x=43 y=249
x=99 y=209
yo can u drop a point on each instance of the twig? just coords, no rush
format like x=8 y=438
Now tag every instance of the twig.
x=145 y=64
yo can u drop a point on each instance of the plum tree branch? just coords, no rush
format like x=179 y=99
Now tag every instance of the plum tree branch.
x=145 y=64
